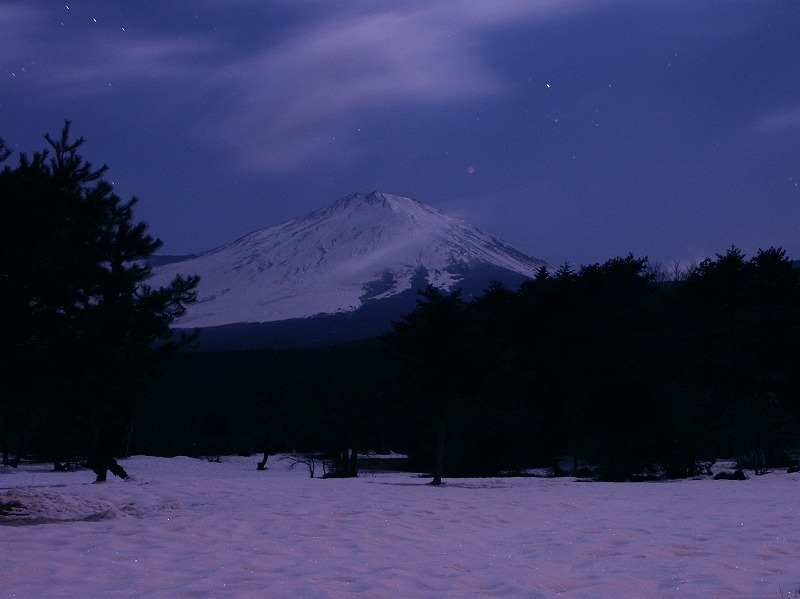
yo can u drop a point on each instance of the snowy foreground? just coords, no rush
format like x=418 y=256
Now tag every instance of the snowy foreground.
x=190 y=528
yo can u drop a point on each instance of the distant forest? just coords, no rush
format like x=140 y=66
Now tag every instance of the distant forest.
x=633 y=372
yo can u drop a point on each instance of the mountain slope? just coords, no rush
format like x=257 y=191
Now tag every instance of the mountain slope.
x=360 y=249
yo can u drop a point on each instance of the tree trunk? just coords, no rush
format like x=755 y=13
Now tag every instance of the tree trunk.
x=438 y=467
x=100 y=468
x=117 y=470
x=128 y=435
x=19 y=452
x=107 y=436
x=354 y=462
x=262 y=465
x=5 y=441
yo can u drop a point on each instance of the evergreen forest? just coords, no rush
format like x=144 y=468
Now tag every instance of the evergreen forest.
x=633 y=373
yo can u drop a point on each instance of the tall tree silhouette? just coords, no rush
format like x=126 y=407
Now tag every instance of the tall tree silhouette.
x=430 y=344
x=81 y=332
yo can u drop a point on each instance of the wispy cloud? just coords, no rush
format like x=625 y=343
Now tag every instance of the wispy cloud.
x=277 y=105
x=779 y=120
x=13 y=16
x=84 y=62
x=21 y=25
x=292 y=98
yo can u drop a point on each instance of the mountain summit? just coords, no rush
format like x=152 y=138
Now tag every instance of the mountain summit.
x=360 y=249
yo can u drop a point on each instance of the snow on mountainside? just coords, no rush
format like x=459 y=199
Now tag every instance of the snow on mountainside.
x=333 y=260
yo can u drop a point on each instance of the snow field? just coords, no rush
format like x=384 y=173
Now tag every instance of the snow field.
x=190 y=528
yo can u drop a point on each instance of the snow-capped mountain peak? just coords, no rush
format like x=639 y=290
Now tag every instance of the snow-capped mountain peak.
x=361 y=247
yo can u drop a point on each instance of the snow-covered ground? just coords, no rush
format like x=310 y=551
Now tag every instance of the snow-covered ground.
x=190 y=528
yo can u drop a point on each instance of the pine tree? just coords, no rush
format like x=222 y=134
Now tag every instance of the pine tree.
x=80 y=330
x=430 y=344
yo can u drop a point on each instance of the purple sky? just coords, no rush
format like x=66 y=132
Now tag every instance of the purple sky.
x=576 y=130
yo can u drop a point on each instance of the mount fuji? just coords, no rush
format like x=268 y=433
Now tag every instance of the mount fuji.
x=340 y=273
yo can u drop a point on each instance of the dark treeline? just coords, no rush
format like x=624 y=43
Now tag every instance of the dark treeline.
x=318 y=401
x=631 y=374
x=628 y=374
x=612 y=366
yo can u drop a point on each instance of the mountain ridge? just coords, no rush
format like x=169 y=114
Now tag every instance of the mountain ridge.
x=361 y=248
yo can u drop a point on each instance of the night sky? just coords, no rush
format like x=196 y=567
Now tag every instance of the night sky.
x=576 y=130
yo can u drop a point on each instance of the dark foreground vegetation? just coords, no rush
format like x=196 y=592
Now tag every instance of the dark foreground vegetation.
x=632 y=374
x=629 y=371
x=81 y=334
